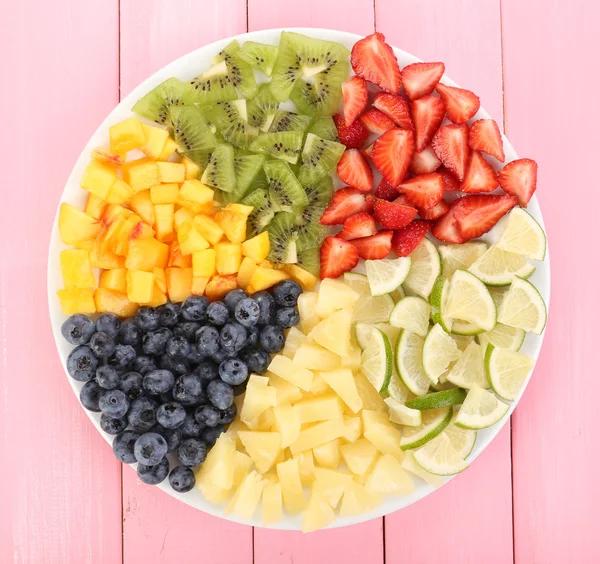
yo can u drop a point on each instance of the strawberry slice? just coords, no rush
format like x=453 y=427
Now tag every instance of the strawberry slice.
x=425 y=190
x=374 y=60
x=428 y=113
x=405 y=240
x=481 y=176
x=393 y=216
x=337 y=256
x=519 y=178
x=485 y=137
x=476 y=215
x=395 y=108
x=356 y=97
x=403 y=200
x=368 y=152
x=420 y=79
x=344 y=203
x=425 y=162
x=385 y=191
x=377 y=122
x=354 y=170
x=353 y=136
x=393 y=153
x=451 y=183
x=451 y=145
x=461 y=105
x=357 y=226
x=375 y=247
x=437 y=211
x=446 y=227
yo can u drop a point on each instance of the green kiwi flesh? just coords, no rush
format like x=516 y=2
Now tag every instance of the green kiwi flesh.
x=239 y=71
x=247 y=168
x=282 y=235
x=262 y=108
x=319 y=192
x=157 y=103
x=213 y=85
x=310 y=261
x=324 y=127
x=322 y=96
x=259 y=55
x=261 y=215
x=289 y=121
x=190 y=130
x=220 y=172
x=284 y=145
x=319 y=158
x=284 y=189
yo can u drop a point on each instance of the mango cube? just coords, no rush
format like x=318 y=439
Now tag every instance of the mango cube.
x=272 y=504
x=287 y=423
x=199 y=284
x=168 y=149
x=263 y=448
x=359 y=456
x=105 y=259
x=233 y=224
x=77 y=300
x=263 y=278
x=76 y=269
x=114 y=279
x=257 y=248
x=284 y=368
x=141 y=204
x=303 y=277
x=291 y=486
x=74 y=225
x=146 y=254
x=160 y=278
x=190 y=239
x=219 y=286
x=156 y=140
x=164 y=222
x=141 y=174
x=181 y=216
x=208 y=228
x=318 y=513
x=179 y=283
x=194 y=195
x=228 y=258
x=140 y=286
x=171 y=172
x=127 y=135
x=176 y=258
x=247 y=268
x=98 y=178
x=109 y=301
x=164 y=193
x=204 y=263
x=192 y=169
x=120 y=192
x=94 y=206
x=159 y=297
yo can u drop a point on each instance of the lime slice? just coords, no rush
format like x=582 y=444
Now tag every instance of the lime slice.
x=497 y=295
x=373 y=309
x=460 y=257
x=462 y=341
x=480 y=409
x=523 y=307
x=433 y=422
x=465 y=329
x=497 y=267
x=376 y=360
x=523 y=235
x=362 y=333
x=469 y=370
x=507 y=371
x=503 y=336
x=386 y=275
x=358 y=282
x=439 y=350
x=409 y=363
x=411 y=313
x=401 y=414
x=463 y=440
x=440 y=457
x=396 y=389
x=411 y=466
x=455 y=396
x=469 y=300
x=425 y=268
x=437 y=299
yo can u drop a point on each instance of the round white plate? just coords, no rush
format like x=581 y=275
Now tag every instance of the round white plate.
x=187 y=67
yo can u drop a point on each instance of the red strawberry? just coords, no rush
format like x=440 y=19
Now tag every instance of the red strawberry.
x=352 y=136
x=485 y=137
x=446 y=227
x=419 y=79
x=395 y=108
x=393 y=216
x=437 y=211
x=476 y=215
x=355 y=98
x=337 y=256
x=451 y=183
x=461 y=105
x=375 y=247
x=354 y=170
x=481 y=177
x=386 y=191
x=428 y=113
x=451 y=145
x=374 y=60
x=403 y=200
x=368 y=152
x=425 y=162
x=519 y=178
x=357 y=226
x=405 y=240
x=393 y=153
x=377 y=122
x=344 y=203
x=425 y=191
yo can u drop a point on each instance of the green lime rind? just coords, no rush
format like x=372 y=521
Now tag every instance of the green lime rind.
x=455 y=396
x=409 y=363
x=376 y=362
x=481 y=409
x=465 y=328
x=428 y=430
x=436 y=299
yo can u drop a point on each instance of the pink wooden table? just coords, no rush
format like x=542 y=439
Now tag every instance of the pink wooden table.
x=532 y=497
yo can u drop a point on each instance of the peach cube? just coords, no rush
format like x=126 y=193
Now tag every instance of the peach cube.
x=194 y=195
x=114 y=279
x=199 y=284
x=105 y=259
x=208 y=228
x=233 y=223
x=190 y=239
x=171 y=172
x=127 y=135
x=168 y=150
x=120 y=192
x=141 y=204
x=228 y=258
x=181 y=216
x=146 y=254
x=219 y=286
x=156 y=140
x=109 y=301
x=204 y=263
x=77 y=300
x=140 y=286
x=74 y=225
x=257 y=248
x=141 y=174
x=160 y=278
x=98 y=178
x=179 y=283
x=164 y=193
x=76 y=269
x=94 y=206
x=164 y=221
x=245 y=272
x=176 y=258
x=158 y=298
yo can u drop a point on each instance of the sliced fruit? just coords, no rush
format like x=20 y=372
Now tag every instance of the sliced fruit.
x=507 y=371
x=523 y=235
x=359 y=456
x=156 y=104
x=434 y=421
x=427 y=113
x=451 y=145
x=341 y=381
x=438 y=299
x=469 y=300
x=425 y=268
x=437 y=211
x=481 y=409
x=395 y=108
x=420 y=79
x=463 y=440
x=389 y=478
x=523 y=307
x=373 y=309
x=357 y=226
x=393 y=153
x=386 y=191
x=291 y=486
x=439 y=351
x=519 y=179
x=352 y=136
x=315 y=357
x=412 y=314
x=333 y=333
x=485 y=136
x=435 y=400
x=440 y=457
x=461 y=105
x=284 y=145
x=374 y=247
x=465 y=328
x=282 y=238
x=262 y=448
x=503 y=336
x=497 y=267
x=455 y=257
x=386 y=275
x=362 y=332
x=345 y=202
x=374 y=60
x=480 y=175
x=468 y=371
x=358 y=500
x=356 y=96
x=377 y=122
x=393 y=216
x=318 y=513
x=319 y=158
x=409 y=363
x=337 y=256
x=354 y=170
x=401 y=414
x=424 y=191
x=477 y=214
x=425 y=161
x=376 y=361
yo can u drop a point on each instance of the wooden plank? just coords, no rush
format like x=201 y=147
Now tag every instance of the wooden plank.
x=557 y=499
x=61 y=485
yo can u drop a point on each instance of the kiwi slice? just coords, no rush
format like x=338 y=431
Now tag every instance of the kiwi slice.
x=282 y=235
x=284 y=189
x=213 y=85
x=300 y=56
x=324 y=127
x=319 y=158
x=310 y=260
x=261 y=215
x=222 y=114
x=156 y=104
x=239 y=71
x=219 y=172
x=247 y=167
x=191 y=131
x=262 y=108
x=289 y=121
x=259 y=55
x=322 y=96
x=319 y=192
x=284 y=145
x=310 y=232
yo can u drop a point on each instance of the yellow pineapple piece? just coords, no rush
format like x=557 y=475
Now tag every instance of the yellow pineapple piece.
x=333 y=333
x=245 y=272
x=114 y=279
x=109 y=301
x=199 y=284
x=328 y=454
x=315 y=357
x=140 y=286
x=141 y=204
x=141 y=174
x=257 y=248
x=333 y=296
x=179 y=283
x=359 y=456
x=84 y=245
x=240 y=208
x=213 y=494
x=263 y=278
x=219 y=287
x=237 y=425
x=203 y=263
x=291 y=486
x=171 y=172
x=318 y=434
x=285 y=368
x=160 y=278
x=233 y=224
x=343 y=384
x=272 y=504
x=94 y=206
x=319 y=409
x=389 y=478
x=127 y=135
x=303 y=277
x=353 y=359
x=318 y=386
x=287 y=423
x=286 y=391
x=262 y=447
x=293 y=342
x=74 y=225
x=194 y=195
x=164 y=222
x=146 y=254
x=192 y=169
x=331 y=484
x=219 y=466
x=385 y=438
x=242 y=465
x=228 y=258
x=76 y=269
x=156 y=140
x=318 y=513
x=120 y=192
x=76 y=300
x=167 y=151
x=246 y=498
x=358 y=500
x=164 y=193
x=259 y=397
x=98 y=178
x=307 y=302
x=264 y=422
x=352 y=428
x=371 y=398
x=372 y=417
x=190 y=239
x=208 y=228
x=306 y=467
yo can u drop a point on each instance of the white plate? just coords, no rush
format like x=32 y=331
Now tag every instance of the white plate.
x=186 y=68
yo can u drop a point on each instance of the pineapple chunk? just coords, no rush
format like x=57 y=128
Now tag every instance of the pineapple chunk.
x=245 y=272
x=213 y=494
x=259 y=397
x=291 y=486
x=195 y=195
x=204 y=263
x=164 y=193
x=126 y=136
x=74 y=225
x=411 y=465
x=199 y=284
x=293 y=342
x=160 y=278
x=228 y=257
x=239 y=208
x=156 y=141
x=258 y=247
x=237 y=425
x=306 y=466
x=352 y=428
x=146 y=254
x=286 y=392
x=389 y=478
x=343 y=384
x=318 y=409
x=333 y=296
x=264 y=278
x=140 y=286
x=208 y=228
x=76 y=269
x=318 y=434
x=358 y=500
x=141 y=204
x=242 y=465
x=98 y=179
x=246 y=498
x=263 y=448
x=315 y=357
x=219 y=286
x=328 y=455
x=264 y=422
x=219 y=466
x=164 y=222
x=109 y=301
x=171 y=172
x=272 y=504
x=94 y=206
x=233 y=224
x=77 y=300
x=141 y=174
x=359 y=456
x=372 y=417
x=318 y=513
x=287 y=423
x=331 y=484
x=307 y=302
x=385 y=438
x=318 y=386
x=114 y=279
x=283 y=367
x=158 y=297
x=179 y=283
x=307 y=280
x=192 y=170
x=353 y=359
x=333 y=333
x=370 y=396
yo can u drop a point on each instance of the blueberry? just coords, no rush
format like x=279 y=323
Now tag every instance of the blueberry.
x=108 y=323
x=170 y=415
x=155 y=342
x=166 y=397
x=89 y=396
x=153 y=475
x=78 y=329
x=211 y=434
x=221 y=355
x=131 y=385
x=207 y=371
x=207 y=415
x=113 y=426
x=102 y=344
x=147 y=319
x=177 y=367
x=123 y=357
x=233 y=298
x=256 y=360
x=217 y=313
x=247 y=312
x=227 y=416
x=186 y=329
x=286 y=293
x=172 y=436
x=272 y=339
x=169 y=314
x=195 y=357
x=240 y=389
x=158 y=381
x=219 y=394
x=82 y=363
x=188 y=390
x=178 y=348
x=144 y=364
x=192 y=452
x=142 y=414
x=114 y=403
x=266 y=303
x=190 y=428
x=207 y=338
x=150 y=449
x=107 y=377
x=253 y=333
x=233 y=337
x=194 y=308
x=130 y=333
x=287 y=317
x=182 y=479
x=233 y=371
x=123 y=446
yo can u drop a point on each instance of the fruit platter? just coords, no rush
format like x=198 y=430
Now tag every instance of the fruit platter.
x=299 y=279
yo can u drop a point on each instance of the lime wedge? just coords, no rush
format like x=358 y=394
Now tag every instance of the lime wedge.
x=433 y=422
x=437 y=299
x=439 y=350
x=503 y=336
x=401 y=414
x=411 y=466
x=463 y=440
x=386 y=275
x=462 y=341
x=460 y=257
x=480 y=409
x=497 y=267
x=523 y=235
x=469 y=370
x=358 y=282
x=507 y=371
x=465 y=329
x=373 y=309
x=469 y=300
x=425 y=268
x=523 y=307
x=397 y=389
x=376 y=360
x=362 y=333
x=409 y=363
x=435 y=400
x=439 y=457
x=411 y=313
